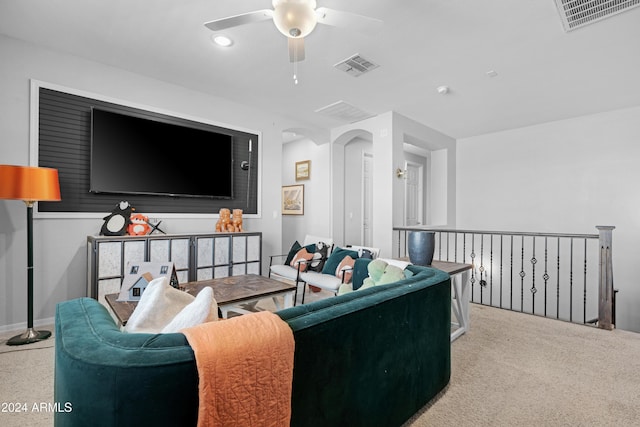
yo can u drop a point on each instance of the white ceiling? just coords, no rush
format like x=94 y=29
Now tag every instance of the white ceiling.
x=543 y=73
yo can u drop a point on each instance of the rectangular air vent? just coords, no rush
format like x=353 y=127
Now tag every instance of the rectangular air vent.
x=578 y=13
x=344 y=111
x=356 y=65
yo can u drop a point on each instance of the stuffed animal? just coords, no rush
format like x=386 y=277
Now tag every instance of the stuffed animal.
x=115 y=224
x=224 y=220
x=139 y=225
x=380 y=273
x=237 y=220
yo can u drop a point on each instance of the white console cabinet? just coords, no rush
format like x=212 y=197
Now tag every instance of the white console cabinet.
x=195 y=256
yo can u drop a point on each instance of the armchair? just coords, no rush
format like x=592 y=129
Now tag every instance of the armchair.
x=337 y=271
x=280 y=267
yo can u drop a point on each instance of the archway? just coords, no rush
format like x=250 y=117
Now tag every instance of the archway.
x=349 y=153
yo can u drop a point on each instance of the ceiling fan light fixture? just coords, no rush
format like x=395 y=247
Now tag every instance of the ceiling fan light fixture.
x=295 y=19
x=222 y=40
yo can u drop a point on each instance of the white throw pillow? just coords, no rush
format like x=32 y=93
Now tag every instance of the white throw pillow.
x=159 y=304
x=204 y=308
x=396 y=262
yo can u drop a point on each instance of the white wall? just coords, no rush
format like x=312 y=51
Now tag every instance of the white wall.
x=60 y=254
x=317 y=192
x=566 y=176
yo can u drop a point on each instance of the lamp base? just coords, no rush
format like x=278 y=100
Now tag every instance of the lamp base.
x=28 y=337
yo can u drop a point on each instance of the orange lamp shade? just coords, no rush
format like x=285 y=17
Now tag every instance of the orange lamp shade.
x=29 y=183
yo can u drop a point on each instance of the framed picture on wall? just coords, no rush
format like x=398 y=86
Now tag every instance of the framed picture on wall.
x=303 y=170
x=293 y=200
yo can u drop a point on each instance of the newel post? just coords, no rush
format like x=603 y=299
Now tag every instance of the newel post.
x=605 y=283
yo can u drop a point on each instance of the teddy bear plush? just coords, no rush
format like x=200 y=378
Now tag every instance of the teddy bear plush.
x=224 y=220
x=236 y=220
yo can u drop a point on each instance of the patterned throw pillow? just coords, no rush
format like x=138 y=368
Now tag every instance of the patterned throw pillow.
x=294 y=250
x=334 y=259
x=345 y=267
x=301 y=255
x=319 y=257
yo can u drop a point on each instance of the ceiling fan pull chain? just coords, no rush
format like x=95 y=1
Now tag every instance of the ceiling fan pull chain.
x=295 y=65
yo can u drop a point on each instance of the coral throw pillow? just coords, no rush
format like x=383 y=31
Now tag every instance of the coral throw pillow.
x=301 y=255
x=347 y=265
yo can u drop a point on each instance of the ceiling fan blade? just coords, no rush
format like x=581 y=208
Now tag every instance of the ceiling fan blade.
x=352 y=21
x=296 y=49
x=242 y=19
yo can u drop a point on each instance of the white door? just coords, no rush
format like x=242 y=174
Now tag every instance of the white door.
x=367 y=198
x=413 y=194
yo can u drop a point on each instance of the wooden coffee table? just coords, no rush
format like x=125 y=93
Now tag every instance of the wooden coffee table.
x=229 y=293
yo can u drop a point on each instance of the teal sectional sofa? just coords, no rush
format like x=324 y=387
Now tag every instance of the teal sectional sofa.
x=372 y=357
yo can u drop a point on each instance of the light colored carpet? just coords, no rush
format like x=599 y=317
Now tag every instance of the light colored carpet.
x=515 y=369
x=511 y=369
x=26 y=382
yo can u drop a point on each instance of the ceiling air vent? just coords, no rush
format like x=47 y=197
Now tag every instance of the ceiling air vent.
x=578 y=13
x=356 y=65
x=344 y=111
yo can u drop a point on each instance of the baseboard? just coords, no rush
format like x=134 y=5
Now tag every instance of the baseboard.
x=20 y=326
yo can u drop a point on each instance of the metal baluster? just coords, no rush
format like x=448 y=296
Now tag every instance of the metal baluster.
x=571 y=282
x=534 y=261
x=501 y=262
x=584 y=294
x=483 y=282
x=546 y=274
x=473 y=269
x=522 y=274
x=511 y=280
x=455 y=248
x=558 y=283
x=491 y=269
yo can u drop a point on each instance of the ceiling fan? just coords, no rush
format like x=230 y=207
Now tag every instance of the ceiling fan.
x=296 y=19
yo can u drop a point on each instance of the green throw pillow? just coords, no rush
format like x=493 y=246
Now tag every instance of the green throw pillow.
x=360 y=272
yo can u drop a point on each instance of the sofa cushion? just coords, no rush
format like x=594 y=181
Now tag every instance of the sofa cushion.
x=334 y=259
x=285 y=271
x=321 y=280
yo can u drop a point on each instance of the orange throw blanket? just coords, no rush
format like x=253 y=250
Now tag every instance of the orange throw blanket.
x=245 y=368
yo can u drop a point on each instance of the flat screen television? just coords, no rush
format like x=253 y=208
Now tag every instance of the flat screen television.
x=135 y=155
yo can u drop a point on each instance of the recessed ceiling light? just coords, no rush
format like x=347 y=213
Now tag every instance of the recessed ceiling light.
x=492 y=73
x=221 y=40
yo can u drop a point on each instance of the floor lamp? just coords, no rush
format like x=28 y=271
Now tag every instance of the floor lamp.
x=29 y=184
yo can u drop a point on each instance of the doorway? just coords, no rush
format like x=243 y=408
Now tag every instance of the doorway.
x=413 y=194
x=367 y=198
